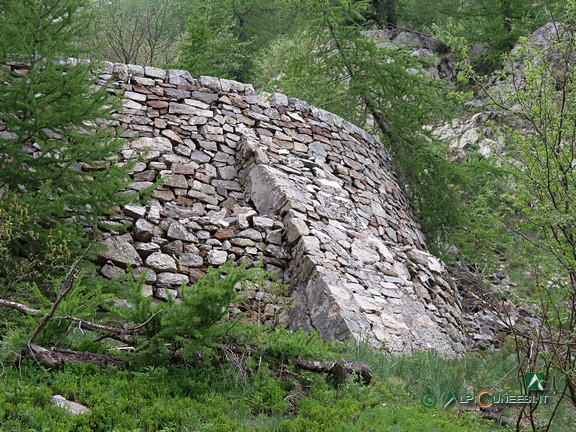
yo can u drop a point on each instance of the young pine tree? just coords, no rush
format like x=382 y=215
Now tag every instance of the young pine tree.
x=56 y=154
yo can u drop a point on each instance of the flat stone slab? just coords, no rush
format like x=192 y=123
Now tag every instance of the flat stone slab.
x=71 y=407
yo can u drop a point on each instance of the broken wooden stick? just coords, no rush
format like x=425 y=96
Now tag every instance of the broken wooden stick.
x=337 y=371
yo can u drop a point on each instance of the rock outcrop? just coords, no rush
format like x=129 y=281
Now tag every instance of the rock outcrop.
x=421 y=45
x=479 y=127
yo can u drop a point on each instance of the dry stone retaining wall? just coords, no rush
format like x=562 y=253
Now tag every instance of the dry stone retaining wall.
x=248 y=177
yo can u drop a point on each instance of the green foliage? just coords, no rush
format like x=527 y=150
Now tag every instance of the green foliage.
x=217 y=398
x=223 y=38
x=191 y=323
x=58 y=171
x=57 y=154
x=327 y=61
x=494 y=25
x=210 y=46
x=285 y=342
x=16 y=229
x=538 y=203
x=29 y=279
x=382 y=13
x=203 y=305
x=535 y=210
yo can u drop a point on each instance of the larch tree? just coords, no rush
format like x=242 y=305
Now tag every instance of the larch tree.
x=328 y=62
x=224 y=38
x=144 y=32
x=57 y=164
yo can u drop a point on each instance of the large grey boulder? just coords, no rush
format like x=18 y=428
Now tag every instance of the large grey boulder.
x=120 y=252
x=160 y=262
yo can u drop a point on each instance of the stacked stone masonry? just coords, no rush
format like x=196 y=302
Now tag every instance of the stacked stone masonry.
x=249 y=177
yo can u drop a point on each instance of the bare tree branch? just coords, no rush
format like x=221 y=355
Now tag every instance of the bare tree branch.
x=337 y=371
x=85 y=324
x=67 y=286
x=19 y=307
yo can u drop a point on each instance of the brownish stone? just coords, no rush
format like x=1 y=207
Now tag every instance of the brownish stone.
x=148 y=175
x=164 y=195
x=158 y=104
x=284 y=144
x=321 y=138
x=356 y=175
x=169 y=133
x=158 y=91
x=223 y=234
x=195 y=274
x=184 y=201
x=187 y=169
x=238 y=102
x=186 y=87
x=160 y=123
x=140 y=89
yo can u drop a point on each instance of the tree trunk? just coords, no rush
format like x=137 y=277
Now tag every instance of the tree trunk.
x=53 y=358
x=507 y=16
x=385 y=11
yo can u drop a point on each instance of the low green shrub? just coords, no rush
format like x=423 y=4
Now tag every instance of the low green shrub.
x=255 y=389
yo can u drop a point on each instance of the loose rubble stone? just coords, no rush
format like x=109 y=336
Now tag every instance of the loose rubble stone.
x=154 y=72
x=172 y=279
x=296 y=228
x=159 y=144
x=150 y=276
x=174 y=248
x=135 y=211
x=73 y=408
x=217 y=257
x=251 y=234
x=112 y=272
x=145 y=249
x=144 y=230
x=179 y=232
x=191 y=260
x=166 y=293
x=179 y=77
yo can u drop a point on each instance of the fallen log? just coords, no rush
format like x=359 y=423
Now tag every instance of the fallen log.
x=337 y=372
x=54 y=358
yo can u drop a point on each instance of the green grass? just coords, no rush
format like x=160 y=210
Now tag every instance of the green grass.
x=259 y=395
